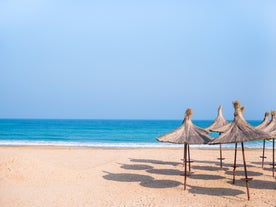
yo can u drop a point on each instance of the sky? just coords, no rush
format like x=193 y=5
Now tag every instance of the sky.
x=136 y=59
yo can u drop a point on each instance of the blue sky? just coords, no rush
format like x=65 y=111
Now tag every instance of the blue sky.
x=136 y=59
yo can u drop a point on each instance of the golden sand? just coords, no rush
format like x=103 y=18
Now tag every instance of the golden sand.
x=64 y=176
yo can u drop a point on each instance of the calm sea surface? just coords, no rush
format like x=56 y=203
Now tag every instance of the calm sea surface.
x=96 y=133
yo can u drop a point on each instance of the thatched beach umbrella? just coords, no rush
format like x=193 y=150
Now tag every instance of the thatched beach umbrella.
x=186 y=134
x=261 y=126
x=239 y=132
x=227 y=126
x=271 y=128
x=264 y=123
x=216 y=124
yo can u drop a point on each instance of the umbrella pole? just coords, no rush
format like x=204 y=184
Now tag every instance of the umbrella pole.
x=185 y=165
x=189 y=158
x=235 y=160
x=184 y=155
x=245 y=172
x=263 y=157
x=273 y=157
x=220 y=152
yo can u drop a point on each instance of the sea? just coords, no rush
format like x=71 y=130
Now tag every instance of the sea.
x=98 y=133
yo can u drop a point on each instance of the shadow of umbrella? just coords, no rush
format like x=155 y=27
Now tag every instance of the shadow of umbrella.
x=240 y=173
x=187 y=133
x=209 y=168
x=158 y=162
x=214 y=191
x=144 y=180
x=126 y=177
x=259 y=184
x=239 y=131
x=206 y=177
x=136 y=167
x=165 y=171
x=160 y=183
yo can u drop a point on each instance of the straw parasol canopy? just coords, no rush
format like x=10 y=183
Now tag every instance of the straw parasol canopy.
x=271 y=128
x=264 y=123
x=223 y=128
x=240 y=131
x=218 y=122
x=186 y=134
x=227 y=126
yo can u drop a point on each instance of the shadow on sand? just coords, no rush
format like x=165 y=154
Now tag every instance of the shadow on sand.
x=214 y=191
x=257 y=184
x=165 y=172
x=206 y=177
x=145 y=180
x=241 y=173
x=209 y=168
x=135 y=167
x=207 y=162
x=159 y=162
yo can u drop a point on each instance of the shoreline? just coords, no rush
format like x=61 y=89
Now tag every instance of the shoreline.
x=127 y=148
x=129 y=145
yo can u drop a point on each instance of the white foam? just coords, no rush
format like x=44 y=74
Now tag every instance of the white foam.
x=86 y=144
x=117 y=145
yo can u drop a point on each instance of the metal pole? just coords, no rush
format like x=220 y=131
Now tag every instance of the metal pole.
x=245 y=172
x=185 y=165
x=220 y=152
x=235 y=160
x=263 y=157
x=273 y=157
x=220 y=155
x=184 y=156
x=189 y=158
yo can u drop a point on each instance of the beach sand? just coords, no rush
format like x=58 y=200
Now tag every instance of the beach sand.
x=68 y=176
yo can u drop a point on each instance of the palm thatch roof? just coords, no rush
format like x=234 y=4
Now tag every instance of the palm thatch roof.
x=264 y=123
x=239 y=130
x=218 y=122
x=187 y=133
x=271 y=127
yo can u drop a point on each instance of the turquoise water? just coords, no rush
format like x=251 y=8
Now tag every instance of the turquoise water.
x=95 y=133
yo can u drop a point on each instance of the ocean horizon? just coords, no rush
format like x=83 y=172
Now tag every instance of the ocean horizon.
x=101 y=133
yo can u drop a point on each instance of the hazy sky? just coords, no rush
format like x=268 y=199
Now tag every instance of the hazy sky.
x=145 y=59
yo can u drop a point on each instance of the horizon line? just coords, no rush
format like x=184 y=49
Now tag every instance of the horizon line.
x=117 y=119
